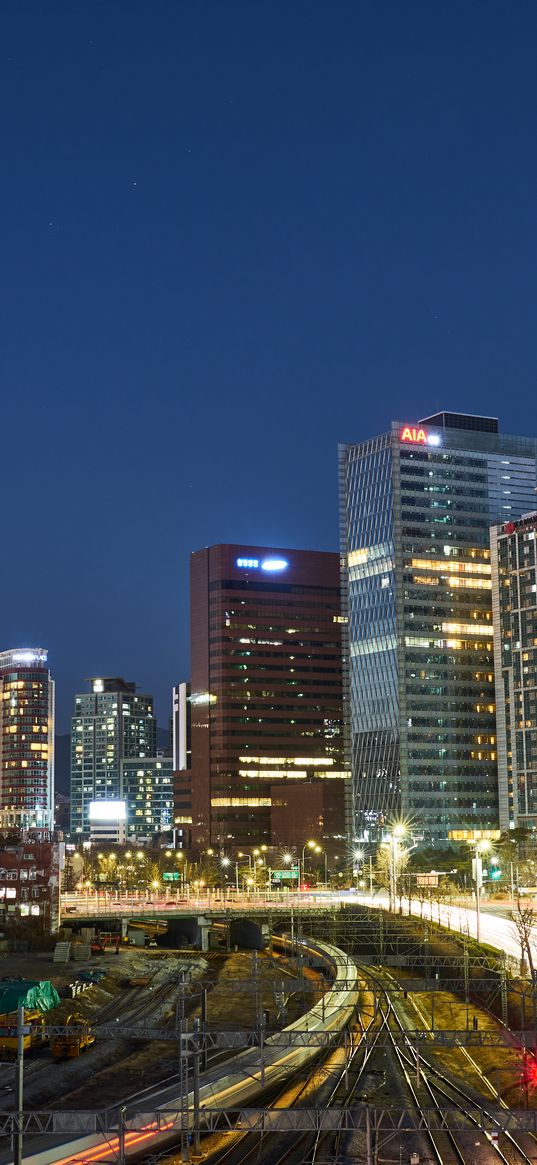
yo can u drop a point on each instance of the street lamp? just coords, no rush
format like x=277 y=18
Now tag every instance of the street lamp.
x=397 y=832
x=307 y=845
x=225 y=862
x=477 y=871
x=358 y=857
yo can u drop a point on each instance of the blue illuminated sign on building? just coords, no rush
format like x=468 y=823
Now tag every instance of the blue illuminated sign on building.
x=269 y=564
x=274 y=564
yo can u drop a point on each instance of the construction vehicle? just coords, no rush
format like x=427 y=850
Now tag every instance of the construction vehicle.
x=34 y=1034
x=69 y=1045
x=37 y=997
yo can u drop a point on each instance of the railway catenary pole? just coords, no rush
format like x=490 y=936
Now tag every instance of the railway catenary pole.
x=196 y=1083
x=121 y=1134
x=204 y=1000
x=18 y=1149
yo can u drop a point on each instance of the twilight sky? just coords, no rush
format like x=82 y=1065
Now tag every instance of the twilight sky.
x=234 y=233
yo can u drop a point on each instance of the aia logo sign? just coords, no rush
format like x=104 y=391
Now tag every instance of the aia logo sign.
x=415 y=436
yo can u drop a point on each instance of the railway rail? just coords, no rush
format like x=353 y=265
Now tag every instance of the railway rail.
x=249 y=1073
x=428 y=1085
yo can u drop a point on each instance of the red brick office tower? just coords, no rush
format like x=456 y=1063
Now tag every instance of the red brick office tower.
x=266 y=695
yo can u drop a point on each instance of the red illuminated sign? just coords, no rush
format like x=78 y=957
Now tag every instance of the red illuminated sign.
x=416 y=436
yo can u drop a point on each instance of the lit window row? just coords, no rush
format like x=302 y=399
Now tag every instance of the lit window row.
x=451 y=567
x=244 y=802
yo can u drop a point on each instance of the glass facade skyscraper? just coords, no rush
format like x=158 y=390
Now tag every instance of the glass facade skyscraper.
x=147 y=789
x=514 y=605
x=112 y=722
x=417 y=504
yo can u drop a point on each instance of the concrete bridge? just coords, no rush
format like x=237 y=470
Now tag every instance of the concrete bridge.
x=246 y=921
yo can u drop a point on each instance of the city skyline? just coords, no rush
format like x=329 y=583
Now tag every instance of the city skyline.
x=217 y=259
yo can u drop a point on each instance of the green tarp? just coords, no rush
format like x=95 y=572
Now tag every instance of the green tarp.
x=31 y=993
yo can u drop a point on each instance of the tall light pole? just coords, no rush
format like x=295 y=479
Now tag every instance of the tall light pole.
x=397 y=832
x=307 y=845
x=358 y=857
x=225 y=862
x=477 y=871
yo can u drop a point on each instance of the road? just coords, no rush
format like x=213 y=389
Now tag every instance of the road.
x=496 y=927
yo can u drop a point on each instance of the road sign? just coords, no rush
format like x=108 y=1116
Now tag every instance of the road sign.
x=173 y=876
x=427 y=879
x=284 y=875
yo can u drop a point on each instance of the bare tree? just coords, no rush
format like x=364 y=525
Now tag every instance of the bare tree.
x=422 y=894
x=391 y=862
x=524 y=920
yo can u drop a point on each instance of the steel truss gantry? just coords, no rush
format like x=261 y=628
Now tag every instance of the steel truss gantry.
x=382 y=1120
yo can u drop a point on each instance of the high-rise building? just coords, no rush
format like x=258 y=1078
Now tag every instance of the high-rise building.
x=112 y=722
x=147 y=789
x=417 y=504
x=266 y=689
x=26 y=738
x=181 y=744
x=514 y=606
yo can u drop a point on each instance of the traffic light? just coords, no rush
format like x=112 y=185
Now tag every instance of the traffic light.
x=496 y=872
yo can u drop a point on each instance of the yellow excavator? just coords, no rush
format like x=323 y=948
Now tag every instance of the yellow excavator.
x=71 y=1044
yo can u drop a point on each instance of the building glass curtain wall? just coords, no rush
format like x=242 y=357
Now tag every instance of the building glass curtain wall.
x=370 y=662
x=112 y=722
x=514 y=600
x=147 y=789
x=416 y=507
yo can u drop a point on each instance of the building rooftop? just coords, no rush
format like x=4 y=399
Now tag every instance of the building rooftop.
x=445 y=420
x=110 y=684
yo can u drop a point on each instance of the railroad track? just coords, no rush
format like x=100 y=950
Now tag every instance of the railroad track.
x=298 y=1146
x=431 y=1088
x=142 y=1002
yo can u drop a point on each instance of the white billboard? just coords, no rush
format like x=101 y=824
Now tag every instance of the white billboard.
x=108 y=811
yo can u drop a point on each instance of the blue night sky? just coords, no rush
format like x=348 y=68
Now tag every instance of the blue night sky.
x=234 y=234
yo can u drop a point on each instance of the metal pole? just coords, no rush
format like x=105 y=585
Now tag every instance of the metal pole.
x=478 y=876
x=512 y=881
x=196 y=1084
x=19 y=1089
x=204 y=1001
x=370 y=876
x=262 y=1047
x=418 y=1080
x=369 y=1157
x=121 y=1136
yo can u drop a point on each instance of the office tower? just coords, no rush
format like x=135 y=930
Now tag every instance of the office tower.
x=112 y=722
x=26 y=739
x=147 y=790
x=514 y=606
x=266 y=688
x=181 y=745
x=417 y=504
